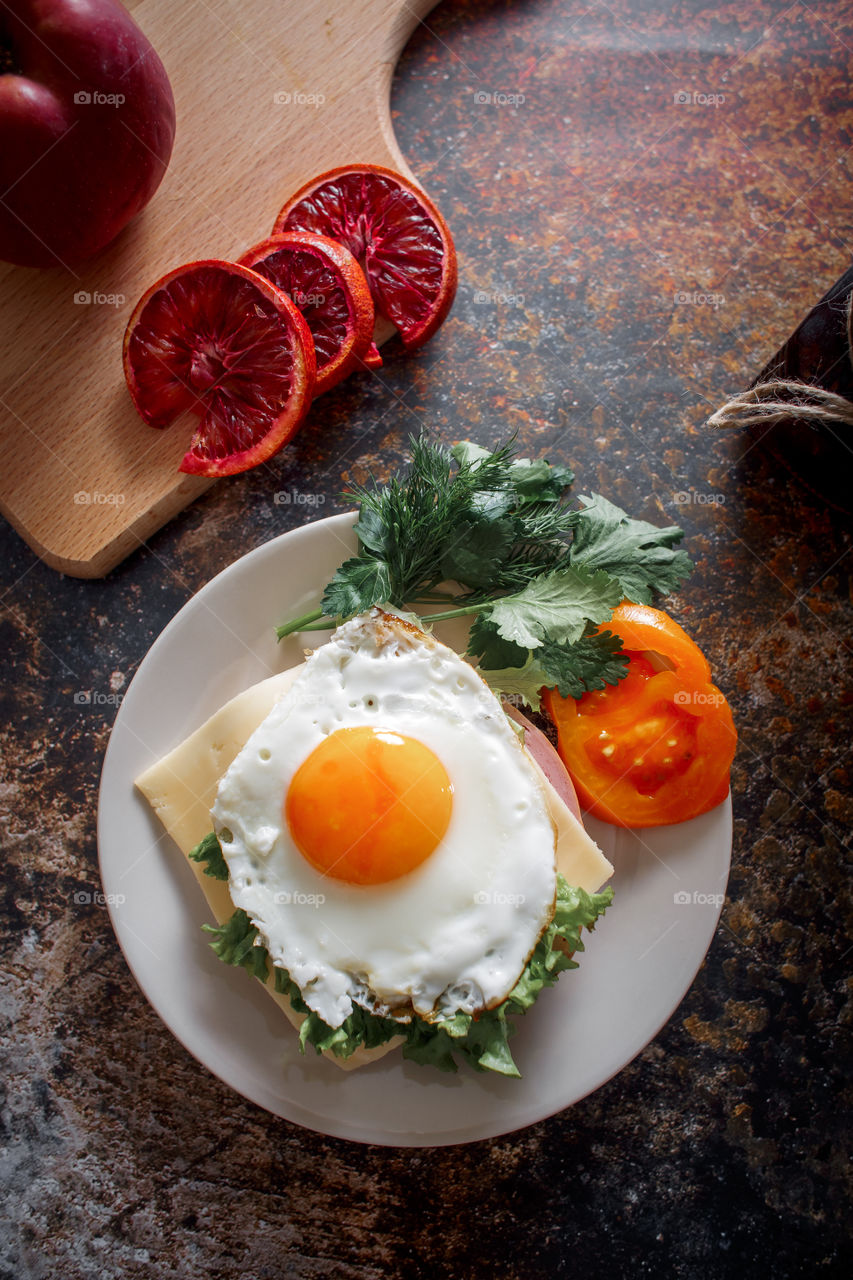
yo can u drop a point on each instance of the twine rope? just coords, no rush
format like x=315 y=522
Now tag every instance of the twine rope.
x=785 y=398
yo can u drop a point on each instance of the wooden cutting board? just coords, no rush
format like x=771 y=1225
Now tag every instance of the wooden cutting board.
x=268 y=93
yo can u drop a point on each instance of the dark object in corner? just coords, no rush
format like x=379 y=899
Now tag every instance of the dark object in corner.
x=817 y=352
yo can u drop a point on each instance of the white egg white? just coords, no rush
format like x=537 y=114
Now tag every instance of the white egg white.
x=456 y=932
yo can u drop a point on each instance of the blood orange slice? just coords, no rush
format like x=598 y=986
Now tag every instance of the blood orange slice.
x=394 y=231
x=323 y=279
x=219 y=339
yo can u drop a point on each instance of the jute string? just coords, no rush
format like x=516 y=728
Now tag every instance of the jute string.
x=784 y=399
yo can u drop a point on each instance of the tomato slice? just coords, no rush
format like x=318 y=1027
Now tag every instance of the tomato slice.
x=644 y=629
x=657 y=748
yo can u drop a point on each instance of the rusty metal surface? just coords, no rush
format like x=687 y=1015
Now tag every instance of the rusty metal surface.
x=647 y=199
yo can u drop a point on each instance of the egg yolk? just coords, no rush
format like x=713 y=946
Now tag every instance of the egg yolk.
x=368 y=805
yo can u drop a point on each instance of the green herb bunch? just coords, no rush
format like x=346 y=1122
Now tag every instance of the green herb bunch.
x=537 y=574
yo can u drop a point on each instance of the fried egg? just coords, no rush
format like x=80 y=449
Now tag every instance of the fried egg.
x=386 y=832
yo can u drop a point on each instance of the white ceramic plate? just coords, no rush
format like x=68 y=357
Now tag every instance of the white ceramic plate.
x=639 y=963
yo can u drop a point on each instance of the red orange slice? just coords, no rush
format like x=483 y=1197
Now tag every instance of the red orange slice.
x=219 y=339
x=394 y=231
x=323 y=279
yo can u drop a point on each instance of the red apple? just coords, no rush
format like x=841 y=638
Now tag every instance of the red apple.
x=87 y=122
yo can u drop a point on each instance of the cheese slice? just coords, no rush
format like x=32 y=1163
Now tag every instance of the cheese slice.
x=182 y=786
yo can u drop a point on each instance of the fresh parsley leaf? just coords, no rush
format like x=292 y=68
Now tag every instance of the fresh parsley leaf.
x=556 y=606
x=572 y=669
x=371 y=530
x=591 y=662
x=540 y=481
x=234 y=943
x=640 y=556
x=524 y=682
x=529 y=481
x=487 y=644
x=357 y=585
x=474 y=552
x=209 y=851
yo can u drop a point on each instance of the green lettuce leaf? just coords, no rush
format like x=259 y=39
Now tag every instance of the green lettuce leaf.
x=235 y=943
x=209 y=851
x=481 y=1040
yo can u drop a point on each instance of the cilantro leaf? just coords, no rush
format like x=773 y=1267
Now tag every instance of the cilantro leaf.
x=540 y=481
x=487 y=645
x=639 y=555
x=518 y=682
x=556 y=606
x=590 y=663
x=531 y=481
x=358 y=584
x=473 y=553
x=209 y=851
x=371 y=530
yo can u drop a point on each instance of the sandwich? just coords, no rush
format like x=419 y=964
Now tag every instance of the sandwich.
x=394 y=853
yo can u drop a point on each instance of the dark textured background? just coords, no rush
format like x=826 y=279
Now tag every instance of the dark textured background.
x=627 y=259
